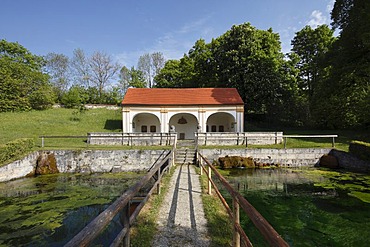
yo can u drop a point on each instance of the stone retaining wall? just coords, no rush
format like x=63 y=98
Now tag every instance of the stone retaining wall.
x=86 y=161
x=135 y=160
x=288 y=157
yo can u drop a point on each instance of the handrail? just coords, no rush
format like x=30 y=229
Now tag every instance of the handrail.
x=109 y=135
x=97 y=225
x=267 y=231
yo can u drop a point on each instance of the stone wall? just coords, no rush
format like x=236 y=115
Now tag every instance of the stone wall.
x=86 y=161
x=289 y=157
x=243 y=138
x=19 y=168
x=131 y=139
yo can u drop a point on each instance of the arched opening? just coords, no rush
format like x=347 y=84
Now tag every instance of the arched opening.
x=185 y=125
x=221 y=122
x=146 y=123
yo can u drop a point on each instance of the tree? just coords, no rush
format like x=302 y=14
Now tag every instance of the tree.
x=350 y=66
x=158 y=62
x=103 y=70
x=144 y=65
x=310 y=46
x=21 y=77
x=340 y=14
x=80 y=68
x=251 y=61
x=131 y=78
x=244 y=58
x=150 y=65
x=57 y=67
x=170 y=75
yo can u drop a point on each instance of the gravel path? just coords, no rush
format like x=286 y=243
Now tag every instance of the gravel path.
x=181 y=220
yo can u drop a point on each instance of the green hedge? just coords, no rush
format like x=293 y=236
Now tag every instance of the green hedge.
x=15 y=149
x=360 y=150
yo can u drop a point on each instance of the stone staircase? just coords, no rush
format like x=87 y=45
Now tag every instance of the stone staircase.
x=185 y=152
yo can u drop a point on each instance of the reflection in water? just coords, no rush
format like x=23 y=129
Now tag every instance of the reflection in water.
x=308 y=207
x=268 y=179
x=50 y=210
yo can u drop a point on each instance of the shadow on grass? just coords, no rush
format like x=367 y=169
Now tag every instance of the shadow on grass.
x=113 y=124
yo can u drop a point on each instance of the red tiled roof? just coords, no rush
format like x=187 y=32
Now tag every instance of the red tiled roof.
x=182 y=96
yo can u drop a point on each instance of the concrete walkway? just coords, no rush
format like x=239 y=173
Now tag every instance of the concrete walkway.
x=181 y=219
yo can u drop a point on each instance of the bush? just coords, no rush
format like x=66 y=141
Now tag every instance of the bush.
x=14 y=149
x=73 y=98
x=42 y=99
x=360 y=149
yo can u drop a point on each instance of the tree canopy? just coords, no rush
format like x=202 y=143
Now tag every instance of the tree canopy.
x=23 y=85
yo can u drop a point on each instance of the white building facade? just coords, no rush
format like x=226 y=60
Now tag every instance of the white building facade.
x=184 y=111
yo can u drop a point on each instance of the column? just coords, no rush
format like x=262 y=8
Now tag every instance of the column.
x=239 y=119
x=202 y=121
x=164 y=120
x=126 y=128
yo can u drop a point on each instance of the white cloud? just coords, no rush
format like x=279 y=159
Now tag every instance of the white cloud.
x=317 y=18
x=329 y=6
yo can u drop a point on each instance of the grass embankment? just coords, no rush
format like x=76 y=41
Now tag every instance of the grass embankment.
x=341 y=142
x=58 y=122
x=145 y=226
x=219 y=224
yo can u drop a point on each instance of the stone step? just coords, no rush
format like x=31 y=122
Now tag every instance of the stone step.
x=185 y=156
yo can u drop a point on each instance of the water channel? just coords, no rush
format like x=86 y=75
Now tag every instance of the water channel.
x=308 y=207
x=50 y=210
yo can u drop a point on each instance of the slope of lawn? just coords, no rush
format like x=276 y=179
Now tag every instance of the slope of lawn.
x=58 y=121
x=70 y=122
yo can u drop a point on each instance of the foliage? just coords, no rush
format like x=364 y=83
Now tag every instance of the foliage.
x=310 y=46
x=16 y=148
x=57 y=67
x=20 y=78
x=347 y=85
x=360 y=149
x=131 y=78
x=74 y=97
x=43 y=98
x=244 y=58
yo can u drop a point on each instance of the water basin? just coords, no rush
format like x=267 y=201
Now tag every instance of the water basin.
x=50 y=210
x=307 y=207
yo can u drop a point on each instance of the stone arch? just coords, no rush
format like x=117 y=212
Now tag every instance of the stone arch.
x=221 y=122
x=146 y=122
x=185 y=124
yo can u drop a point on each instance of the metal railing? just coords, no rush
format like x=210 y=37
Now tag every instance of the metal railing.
x=122 y=205
x=239 y=236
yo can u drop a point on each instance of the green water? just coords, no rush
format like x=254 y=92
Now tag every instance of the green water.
x=308 y=207
x=50 y=210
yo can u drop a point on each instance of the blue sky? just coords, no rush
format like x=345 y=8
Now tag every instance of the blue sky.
x=128 y=29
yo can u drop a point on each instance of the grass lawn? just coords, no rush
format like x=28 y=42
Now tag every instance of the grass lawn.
x=59 y=121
